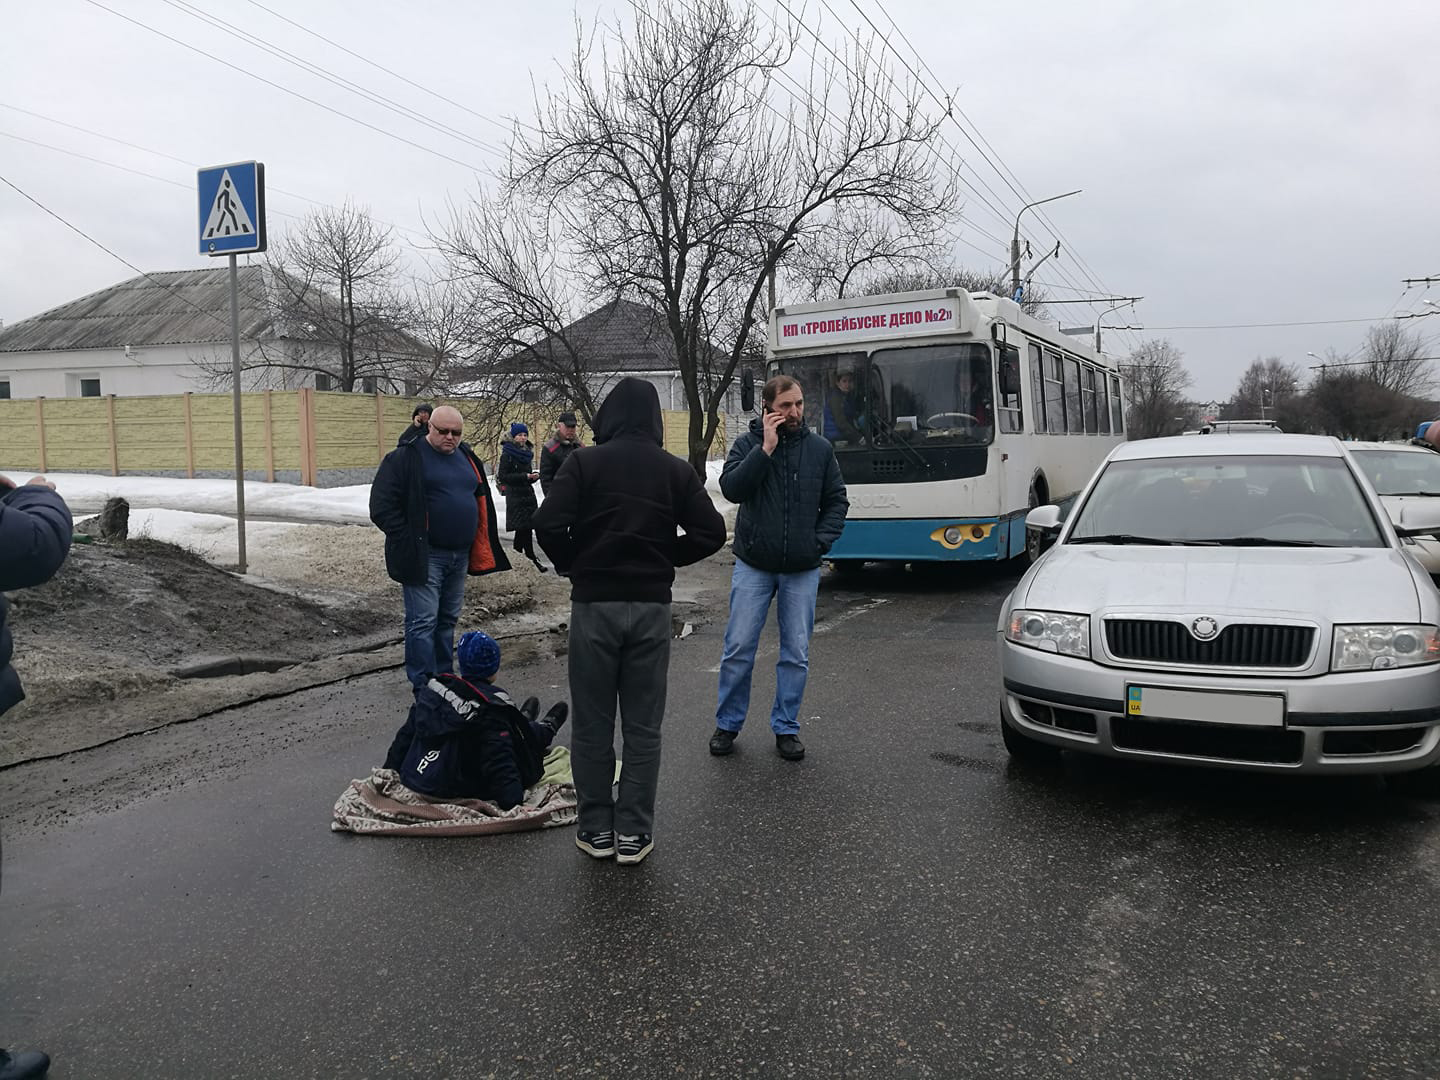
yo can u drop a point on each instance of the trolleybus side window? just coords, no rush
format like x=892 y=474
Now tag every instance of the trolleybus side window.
x=1010 y=412
x=1087 y=388
x=1054 y=395
x=1074 y=421
x=1037 y=388
x=1117 y=407
x=1102 y=402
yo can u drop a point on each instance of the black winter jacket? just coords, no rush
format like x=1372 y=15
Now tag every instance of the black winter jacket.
x=552 y=456
x=397 y=506
x=512 y=472
x=609 y=519
x=792 y=503
x=469 y=741
x=35 y=531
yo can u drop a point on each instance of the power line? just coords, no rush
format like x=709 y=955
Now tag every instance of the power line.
x=120 y=258
x=380 y=67
x=287 y=90
x=329 y=76
x=1310 y=322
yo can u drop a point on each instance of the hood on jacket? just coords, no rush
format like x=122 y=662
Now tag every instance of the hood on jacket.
x=632 y=408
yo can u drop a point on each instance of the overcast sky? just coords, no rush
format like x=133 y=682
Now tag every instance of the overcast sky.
x=1263 y=161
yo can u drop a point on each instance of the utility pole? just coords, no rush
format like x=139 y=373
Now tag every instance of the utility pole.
x=1015 y=239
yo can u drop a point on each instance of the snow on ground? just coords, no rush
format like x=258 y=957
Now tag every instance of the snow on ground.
x=199 y=514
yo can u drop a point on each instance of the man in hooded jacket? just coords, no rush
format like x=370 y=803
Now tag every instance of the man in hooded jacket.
x=609 y=522
x=35 y=531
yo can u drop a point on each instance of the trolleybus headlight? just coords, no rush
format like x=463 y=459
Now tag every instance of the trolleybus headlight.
x=1377 y=648
x=952 y=534
x=1050 y=631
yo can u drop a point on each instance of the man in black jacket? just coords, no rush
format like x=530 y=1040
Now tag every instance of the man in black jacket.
x=610 y=522
x=419 y=424
x=792 y=509
x=431 y=499
x=562 y=444
x=35 y=531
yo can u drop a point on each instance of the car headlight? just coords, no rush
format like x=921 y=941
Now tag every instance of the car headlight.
x=1383 y=646
x=1051 y=631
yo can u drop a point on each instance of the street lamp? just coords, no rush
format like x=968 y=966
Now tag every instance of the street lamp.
x=1015 y=239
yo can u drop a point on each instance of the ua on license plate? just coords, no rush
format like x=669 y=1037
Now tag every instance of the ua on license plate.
x=1205 y=706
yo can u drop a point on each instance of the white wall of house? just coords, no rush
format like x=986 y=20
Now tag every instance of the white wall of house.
x=153 y=369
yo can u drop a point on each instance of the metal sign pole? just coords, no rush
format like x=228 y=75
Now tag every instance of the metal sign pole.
x=232 y=221
x=239 y=426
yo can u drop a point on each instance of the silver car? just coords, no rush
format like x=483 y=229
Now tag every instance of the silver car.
x=1240 y=602
x=1407 y=478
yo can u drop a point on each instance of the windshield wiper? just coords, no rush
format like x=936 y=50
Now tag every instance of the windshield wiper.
x=1122 y=538
x=1260 y=541
x=1421 y=494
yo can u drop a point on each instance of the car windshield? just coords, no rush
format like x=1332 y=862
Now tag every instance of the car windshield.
x=1240 y=500
x=1401 y=472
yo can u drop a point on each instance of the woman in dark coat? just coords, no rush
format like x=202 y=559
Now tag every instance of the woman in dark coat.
x=516 y=475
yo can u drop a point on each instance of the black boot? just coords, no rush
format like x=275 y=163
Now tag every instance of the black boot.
x=539 y=565
x=26 y=1065
x=556 y=717
x=530 y=707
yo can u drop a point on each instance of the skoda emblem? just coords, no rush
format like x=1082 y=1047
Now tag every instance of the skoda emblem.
x=1204 y=628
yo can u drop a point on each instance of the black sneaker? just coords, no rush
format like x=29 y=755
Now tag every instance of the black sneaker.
x=530 y=707
x=633 y=849
x=722 y=742
x=789 y=747
x=601 y=845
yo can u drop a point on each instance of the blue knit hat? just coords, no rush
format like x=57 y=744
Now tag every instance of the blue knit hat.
x=518 y=428
x=479 y=654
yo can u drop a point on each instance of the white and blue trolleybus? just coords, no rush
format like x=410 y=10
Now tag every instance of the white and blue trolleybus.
x=951 y=413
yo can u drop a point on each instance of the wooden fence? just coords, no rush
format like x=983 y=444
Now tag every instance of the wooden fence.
x=316 y=438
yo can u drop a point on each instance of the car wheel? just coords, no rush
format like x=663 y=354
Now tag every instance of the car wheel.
x=1421 y=783
x=1022 y=747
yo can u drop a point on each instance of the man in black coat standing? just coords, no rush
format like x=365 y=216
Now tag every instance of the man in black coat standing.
x=562 y=444
x=610 y=522
x=792 y=509
x=431 y=499
x=35 y=531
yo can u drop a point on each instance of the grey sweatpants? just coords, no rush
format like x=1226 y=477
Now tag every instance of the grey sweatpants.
x=619 y=651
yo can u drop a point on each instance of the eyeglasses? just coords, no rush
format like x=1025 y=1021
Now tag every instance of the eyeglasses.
x=457 y=432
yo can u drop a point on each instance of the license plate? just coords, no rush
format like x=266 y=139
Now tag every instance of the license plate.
x=1206 y=706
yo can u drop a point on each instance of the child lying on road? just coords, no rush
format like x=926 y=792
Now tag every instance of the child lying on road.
x=466 y=739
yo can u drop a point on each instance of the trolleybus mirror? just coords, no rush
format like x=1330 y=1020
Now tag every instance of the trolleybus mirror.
x=1009 y=370
x=747 y=390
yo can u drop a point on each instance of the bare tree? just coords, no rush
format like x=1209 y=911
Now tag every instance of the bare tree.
x=1349 y=403
x=333 y=286
x=1266 y=386
x=672 y=169
x=1393 y=357
x=1155 y=380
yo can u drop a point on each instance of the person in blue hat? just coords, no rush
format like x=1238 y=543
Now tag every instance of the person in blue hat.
x=467 y=739
x=517 y=475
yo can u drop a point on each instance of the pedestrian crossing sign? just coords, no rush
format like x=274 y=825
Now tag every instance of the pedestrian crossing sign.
x=232 y=208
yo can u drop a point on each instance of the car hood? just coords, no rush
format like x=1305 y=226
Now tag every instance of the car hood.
x=1326 y=585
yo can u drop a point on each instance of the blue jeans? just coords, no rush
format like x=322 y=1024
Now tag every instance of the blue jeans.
x=431 y=612
x=750 y=593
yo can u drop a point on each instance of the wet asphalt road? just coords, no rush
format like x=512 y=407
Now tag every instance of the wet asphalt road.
x=902 y=903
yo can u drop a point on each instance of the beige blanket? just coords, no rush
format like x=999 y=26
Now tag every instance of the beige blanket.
x=380 y=805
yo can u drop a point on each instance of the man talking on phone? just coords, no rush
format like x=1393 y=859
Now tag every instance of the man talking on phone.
x=792 y=508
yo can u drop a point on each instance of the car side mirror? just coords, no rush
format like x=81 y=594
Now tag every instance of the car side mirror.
x=1009 y=370
x=1045 y=520
x=747 y=390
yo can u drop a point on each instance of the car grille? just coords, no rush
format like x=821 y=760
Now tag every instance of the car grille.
x=1238 y=645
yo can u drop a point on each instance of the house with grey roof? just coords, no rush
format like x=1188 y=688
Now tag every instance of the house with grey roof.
x=619 y=339
x=168 y=333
